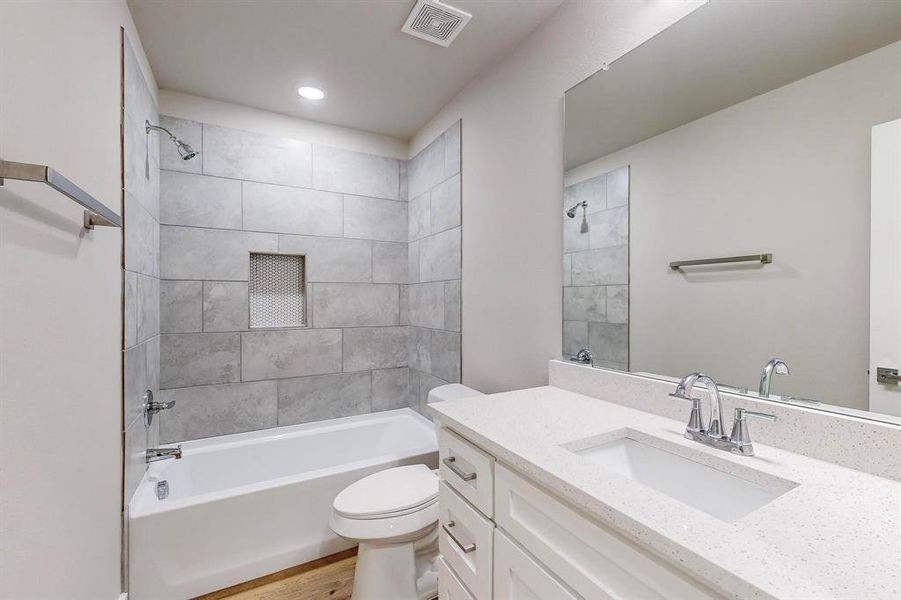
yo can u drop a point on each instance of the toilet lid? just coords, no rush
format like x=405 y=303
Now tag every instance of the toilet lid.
x=400 y=489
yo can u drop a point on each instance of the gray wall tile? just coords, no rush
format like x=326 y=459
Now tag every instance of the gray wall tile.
x=193 y=253
x=575 y=337
x=420 y=219
x=440 y=256
x=209 y=410
x=139 y=104
x=445 y=355
x=426 y=169
x=402 y=193
x=323 y=397
x=618 y=187
x=256 y=157
x=573 y=238
x=587 y=303
x=390 y=389
x=137 y=381
x=290 y=353
x=225 y=306
x=567 y=269
x=452 y=149
x=190 y=132
x=148 y=317
x=355 y=304
x=331 y=260
x=445 y=205
x=199 y=358
x=404 y=308
x=413 y=262
x=152 y=356
x=181 y=308
x=349 y=172
x=593 y=191
x=609 y=227
x=413 y=398
x=199 y=201
x=368 y=348
x=452 y=305
x=282 y=209
x=604 y=266
x=389 y=262
x=618 y=303
x=141 y=239
x=131 y=309
x=141 y=169
x=427 y=305
x=609 y=341
x=420 y=349
x=375 y=219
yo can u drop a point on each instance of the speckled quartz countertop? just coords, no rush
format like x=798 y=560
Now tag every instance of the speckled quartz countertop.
x=837 y=534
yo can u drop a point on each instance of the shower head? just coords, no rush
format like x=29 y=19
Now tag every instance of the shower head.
x=571 y=213
x=184 y=150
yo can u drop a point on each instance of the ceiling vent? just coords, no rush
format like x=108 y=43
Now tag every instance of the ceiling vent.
x=436 y=22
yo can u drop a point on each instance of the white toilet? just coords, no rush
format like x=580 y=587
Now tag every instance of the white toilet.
x=393 y=514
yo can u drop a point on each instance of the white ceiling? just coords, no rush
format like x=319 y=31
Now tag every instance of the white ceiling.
x=257 y=53
x=725 y=52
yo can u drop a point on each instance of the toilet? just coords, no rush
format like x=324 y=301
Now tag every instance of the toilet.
x=393 y=515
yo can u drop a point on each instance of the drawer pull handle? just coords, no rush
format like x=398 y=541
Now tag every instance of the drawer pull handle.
x=466 y=548
x=450 y=462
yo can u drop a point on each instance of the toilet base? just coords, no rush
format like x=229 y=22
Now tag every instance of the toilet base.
x=400 y=571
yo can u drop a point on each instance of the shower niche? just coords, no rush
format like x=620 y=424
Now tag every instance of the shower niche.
x=276 y=291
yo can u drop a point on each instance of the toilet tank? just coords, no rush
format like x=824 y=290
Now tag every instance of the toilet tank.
x=452 y=391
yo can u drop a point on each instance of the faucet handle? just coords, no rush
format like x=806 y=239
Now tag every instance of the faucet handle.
x=694 y=419
x=741 y=437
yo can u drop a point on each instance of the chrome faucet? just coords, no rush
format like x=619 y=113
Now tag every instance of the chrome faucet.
x=155 y=454
x=776 y=364
x=584 y=356
x=739 y=442
x=152 y=407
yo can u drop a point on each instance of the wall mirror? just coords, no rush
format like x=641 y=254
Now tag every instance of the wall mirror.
x=733 y=196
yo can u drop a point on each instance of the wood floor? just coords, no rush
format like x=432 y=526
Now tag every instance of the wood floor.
x=329 y=578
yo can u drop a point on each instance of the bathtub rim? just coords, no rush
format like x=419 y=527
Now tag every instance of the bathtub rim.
x=144 y=504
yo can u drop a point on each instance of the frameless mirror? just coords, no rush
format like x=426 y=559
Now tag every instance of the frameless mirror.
x=733 y=196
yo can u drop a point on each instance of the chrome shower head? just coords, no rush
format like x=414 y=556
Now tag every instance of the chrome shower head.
x=184 y=150
x=571 y=213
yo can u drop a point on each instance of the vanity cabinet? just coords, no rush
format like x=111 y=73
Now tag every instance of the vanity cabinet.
x=503 y=537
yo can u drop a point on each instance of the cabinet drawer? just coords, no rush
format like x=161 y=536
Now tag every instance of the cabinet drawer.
x=449 y=586
x=593 y=560
x=467 y=469
x=518 y=577
x=466 y=540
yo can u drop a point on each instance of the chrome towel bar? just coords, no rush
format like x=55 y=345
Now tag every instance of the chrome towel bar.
x=96 y=214
x=765 y=259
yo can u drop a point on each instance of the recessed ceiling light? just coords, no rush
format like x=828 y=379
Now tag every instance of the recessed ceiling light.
x=311 y=93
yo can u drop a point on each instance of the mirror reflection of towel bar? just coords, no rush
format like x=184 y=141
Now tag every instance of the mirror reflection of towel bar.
x=765 y=259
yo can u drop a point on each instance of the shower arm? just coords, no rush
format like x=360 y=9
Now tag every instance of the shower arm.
x=148 y=128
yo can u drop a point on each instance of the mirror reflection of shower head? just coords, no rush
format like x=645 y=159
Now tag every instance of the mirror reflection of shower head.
x=571 y=213
x=184 y=150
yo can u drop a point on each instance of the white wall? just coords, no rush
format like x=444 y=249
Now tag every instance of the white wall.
x=226 y=114
x=60 y=303
x=786 y=172
x=513 y=183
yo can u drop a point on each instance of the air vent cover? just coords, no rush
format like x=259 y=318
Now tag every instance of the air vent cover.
x=436 y=22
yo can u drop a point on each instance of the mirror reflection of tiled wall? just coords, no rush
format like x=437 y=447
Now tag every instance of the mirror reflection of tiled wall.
x=596 y=269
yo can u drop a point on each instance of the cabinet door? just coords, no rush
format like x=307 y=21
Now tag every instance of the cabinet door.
x=449 y=587
x=465 y=541
x=518 y=577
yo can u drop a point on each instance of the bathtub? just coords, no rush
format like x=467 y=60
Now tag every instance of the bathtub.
x=242 y=506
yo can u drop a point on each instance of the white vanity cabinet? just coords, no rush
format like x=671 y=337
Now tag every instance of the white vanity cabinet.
x=504 y=537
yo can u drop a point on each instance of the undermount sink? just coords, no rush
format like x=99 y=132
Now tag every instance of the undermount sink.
x=720 y=494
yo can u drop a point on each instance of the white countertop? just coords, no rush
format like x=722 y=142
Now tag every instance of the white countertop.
x=836 y=535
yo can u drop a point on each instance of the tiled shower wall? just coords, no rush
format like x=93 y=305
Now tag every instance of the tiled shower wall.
x=596 y=269
x=141 y=229
x=434 y=183
x=347 y=213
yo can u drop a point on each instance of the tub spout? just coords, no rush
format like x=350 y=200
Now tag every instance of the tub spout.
x=155 y=454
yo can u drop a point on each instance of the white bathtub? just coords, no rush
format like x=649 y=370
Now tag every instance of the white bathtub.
x=242 y=506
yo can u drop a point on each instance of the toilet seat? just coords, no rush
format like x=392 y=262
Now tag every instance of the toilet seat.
x=389 y=493
x=388 y=506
